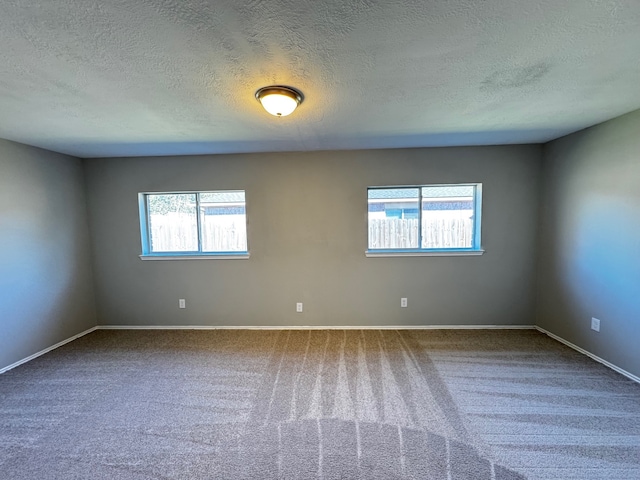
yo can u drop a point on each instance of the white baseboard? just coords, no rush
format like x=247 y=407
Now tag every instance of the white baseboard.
x=317 y=327
x=46 y=350
x=589 y=354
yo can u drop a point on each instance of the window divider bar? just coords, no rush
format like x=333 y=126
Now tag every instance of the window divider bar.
x=475 y=216
x=419 y=217
x=199 y=222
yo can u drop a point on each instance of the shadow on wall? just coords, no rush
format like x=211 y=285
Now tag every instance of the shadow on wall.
x=38 y=260
x=38 y=281
x=604 y=266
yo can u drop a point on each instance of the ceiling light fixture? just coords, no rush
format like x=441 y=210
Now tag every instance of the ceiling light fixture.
x=278 y=100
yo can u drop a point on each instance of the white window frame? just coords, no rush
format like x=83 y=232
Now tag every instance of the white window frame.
x=145 y=228
x=476 y=247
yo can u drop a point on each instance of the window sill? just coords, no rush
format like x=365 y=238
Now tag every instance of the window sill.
x=224 y=256
x=424 y=253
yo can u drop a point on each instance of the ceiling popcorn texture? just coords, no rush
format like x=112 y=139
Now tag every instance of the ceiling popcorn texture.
x=162 y=77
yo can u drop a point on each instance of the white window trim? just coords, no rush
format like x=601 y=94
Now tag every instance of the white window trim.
x=476 y=250
x=222 y=256
x=143 y=206
x=423 y=253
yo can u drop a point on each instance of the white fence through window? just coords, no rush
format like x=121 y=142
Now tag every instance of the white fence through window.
x=401 y=233
x=175 y=232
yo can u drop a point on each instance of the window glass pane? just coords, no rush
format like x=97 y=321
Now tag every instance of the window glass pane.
x=393 y=218
x=228 y=196
x=173 y=223
x=447 y=216
x=223 y=221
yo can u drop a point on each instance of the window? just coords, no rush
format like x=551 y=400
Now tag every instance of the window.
x=425 y=219
x=193 y=224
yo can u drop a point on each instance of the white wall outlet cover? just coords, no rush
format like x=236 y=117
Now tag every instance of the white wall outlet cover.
x=182 y=303
x=298 y=307
x=403 y=302
x=595 y=324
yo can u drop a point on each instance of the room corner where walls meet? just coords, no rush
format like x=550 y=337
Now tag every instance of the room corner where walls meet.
x=46 y=287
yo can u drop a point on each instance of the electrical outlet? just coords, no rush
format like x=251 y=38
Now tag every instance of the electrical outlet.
x=299 y=307
x=403 y=302
x=182 y=303
x=595 y=324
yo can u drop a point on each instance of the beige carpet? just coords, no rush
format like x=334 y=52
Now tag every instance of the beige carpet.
x=324 y=404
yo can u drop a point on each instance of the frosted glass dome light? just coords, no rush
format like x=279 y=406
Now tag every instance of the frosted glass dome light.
x=279 y=101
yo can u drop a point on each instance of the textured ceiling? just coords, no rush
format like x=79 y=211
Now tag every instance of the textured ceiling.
x=141 y=77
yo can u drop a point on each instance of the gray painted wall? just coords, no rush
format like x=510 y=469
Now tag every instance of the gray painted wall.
x=307 y=237
x=590 y=240
x=46 y=289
